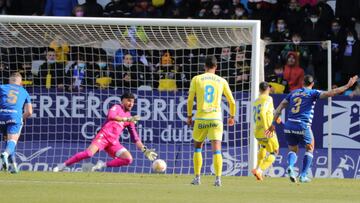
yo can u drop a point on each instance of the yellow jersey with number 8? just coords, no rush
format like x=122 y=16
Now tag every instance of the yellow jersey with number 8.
x=208 y=89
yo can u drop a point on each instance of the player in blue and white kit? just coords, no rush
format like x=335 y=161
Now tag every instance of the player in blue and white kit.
x=297 y=128
x=13 y=100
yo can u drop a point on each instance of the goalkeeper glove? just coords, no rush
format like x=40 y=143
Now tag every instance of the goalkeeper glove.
x=149 y=153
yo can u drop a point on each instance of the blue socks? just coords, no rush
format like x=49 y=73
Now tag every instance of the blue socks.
x=308 y=157
x=292 y=158
x=10 y=147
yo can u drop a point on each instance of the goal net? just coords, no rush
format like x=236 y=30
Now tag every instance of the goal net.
x=76 y=68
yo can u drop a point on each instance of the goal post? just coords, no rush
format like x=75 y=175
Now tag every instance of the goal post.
x=164 y=55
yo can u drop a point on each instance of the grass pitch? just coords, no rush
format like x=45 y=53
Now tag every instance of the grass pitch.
x=49 y=187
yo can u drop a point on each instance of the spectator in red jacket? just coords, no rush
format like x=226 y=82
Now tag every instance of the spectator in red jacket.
x=293 y=73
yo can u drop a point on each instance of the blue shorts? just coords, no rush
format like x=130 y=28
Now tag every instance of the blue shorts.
x=297 y=133
x=11 y=128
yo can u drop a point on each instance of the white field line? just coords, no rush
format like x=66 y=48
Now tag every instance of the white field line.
x=82 y=182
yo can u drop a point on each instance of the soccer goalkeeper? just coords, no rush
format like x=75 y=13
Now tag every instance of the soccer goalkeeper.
x=107 y=139
x=208 y=89
x=263 y=116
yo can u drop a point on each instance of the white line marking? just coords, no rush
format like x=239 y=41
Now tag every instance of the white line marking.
x=84 y=183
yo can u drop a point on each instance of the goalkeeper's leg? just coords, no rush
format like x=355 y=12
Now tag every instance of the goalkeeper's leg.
x=121 y=155
x=89 y=152
x=99 y=143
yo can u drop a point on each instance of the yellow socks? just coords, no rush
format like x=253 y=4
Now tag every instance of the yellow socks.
x=218 y=162
x=197 y=159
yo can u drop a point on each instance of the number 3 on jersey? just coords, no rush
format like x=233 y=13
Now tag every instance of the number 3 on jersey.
x=297 y=104
x=209 y=94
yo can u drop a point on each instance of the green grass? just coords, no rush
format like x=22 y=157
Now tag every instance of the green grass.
x=44 y=187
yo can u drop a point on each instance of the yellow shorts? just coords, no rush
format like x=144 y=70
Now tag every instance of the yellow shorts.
x=212 y=129
x=271 y=144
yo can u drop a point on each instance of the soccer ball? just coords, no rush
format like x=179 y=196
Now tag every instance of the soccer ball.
x=159 y=166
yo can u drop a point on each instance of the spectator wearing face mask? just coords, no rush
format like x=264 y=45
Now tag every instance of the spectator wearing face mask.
x=80 y=75
x=60 y=7
x=102 y=73
x=281 y=33
x=314 y=29
x=301 y=50
x=349 y=53
x=240 y=13
x=51 y=73
x=79 y=11
x=293 y=73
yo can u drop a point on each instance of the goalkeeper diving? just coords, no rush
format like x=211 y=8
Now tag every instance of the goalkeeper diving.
x=107 y=139
x=208 y=89
x=268 y=145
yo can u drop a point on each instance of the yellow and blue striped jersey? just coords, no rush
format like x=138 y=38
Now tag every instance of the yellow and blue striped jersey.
x=263 y=112
x=208 y=89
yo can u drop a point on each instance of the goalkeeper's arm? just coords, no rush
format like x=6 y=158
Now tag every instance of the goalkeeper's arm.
x=133 y=119
x=149 y=153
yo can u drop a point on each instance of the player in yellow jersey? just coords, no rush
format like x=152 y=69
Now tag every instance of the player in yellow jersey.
x=208 y=89
x=263 y=116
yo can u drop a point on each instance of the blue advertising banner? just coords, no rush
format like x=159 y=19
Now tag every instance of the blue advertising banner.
x=65 y=123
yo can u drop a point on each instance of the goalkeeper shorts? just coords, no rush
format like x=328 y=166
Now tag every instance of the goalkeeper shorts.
x=211 y=129
x=111 y=146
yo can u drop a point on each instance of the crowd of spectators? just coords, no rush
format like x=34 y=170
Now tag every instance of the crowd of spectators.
x=287 y=27
x=88 y=68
